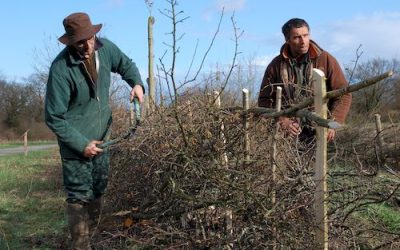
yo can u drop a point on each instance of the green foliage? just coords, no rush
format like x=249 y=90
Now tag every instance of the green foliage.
x=385 y=215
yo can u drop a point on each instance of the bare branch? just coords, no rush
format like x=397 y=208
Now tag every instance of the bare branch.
x=205 y=54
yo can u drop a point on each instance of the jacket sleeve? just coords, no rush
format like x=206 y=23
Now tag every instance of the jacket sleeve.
x=339 y=107
x=58 y=95
x=124 y=66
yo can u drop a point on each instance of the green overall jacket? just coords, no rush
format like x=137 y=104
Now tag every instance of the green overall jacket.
x=77 y=108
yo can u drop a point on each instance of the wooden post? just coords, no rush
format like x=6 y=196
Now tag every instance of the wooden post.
x=273 y=158
x=246 y=107
x=379 y=136
x=320 y=162
x=151 y=83
x=228 y=212
x=274 y=138
x=222 y=135
x=25 y=135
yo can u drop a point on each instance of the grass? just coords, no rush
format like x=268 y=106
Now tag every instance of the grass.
x=13 y=144
x=384 y=215
x=383 y=221
x=373 y=223
x=31 y=201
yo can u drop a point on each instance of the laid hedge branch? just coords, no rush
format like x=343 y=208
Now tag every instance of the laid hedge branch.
x=298 y=109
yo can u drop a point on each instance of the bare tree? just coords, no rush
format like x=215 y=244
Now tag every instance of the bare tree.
x=19 y=104
x=380 y=95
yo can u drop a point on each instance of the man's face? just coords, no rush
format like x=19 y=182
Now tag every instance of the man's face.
x=85 y=47
x=299 y=41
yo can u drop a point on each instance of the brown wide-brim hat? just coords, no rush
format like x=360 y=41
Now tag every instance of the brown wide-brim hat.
x=78 y=27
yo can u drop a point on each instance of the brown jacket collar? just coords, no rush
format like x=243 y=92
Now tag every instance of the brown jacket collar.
x=314 y=50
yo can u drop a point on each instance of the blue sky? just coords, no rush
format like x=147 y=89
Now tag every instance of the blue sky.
x=338 y=26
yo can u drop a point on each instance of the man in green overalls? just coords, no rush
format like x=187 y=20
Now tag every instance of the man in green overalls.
x=77 y=110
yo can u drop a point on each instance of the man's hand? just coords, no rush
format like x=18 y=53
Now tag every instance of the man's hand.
x=92 y=150
x=290 y=126
x=137 y=92
x=331 y=134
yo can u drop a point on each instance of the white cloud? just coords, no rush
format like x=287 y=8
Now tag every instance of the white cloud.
x=226 y=5
x=263 y=61
x=379 y=35
x=231 y=5
x=207 y=14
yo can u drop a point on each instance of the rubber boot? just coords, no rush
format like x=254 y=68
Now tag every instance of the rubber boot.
x=78 y=226
x=95 y=209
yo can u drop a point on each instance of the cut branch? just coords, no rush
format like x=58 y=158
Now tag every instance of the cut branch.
x=297 y=110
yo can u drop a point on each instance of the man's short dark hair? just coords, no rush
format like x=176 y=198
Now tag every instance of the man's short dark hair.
x=293 y=23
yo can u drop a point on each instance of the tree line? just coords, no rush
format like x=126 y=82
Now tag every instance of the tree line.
x=22 y=103
x=22 y=108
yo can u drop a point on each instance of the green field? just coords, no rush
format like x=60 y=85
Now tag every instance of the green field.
x=31 y=201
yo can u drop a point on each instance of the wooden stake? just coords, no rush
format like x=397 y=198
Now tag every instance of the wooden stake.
x=320 y=162
x=274 y=151
x=228 y=212
x=222 y=135
x=152 y=86
x=246 y=106
x=25 y=135
x=379 y=136
x=273 y=157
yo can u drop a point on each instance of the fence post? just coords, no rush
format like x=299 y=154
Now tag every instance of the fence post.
x=274 y=138
x=278 y=106
x=228 y=212
x=217 y=98
x=379 y=136
x=320 y=162
x=25 y=135
x=151 y=80
x=246 y=107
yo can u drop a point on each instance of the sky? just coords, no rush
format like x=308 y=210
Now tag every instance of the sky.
x=29 y=30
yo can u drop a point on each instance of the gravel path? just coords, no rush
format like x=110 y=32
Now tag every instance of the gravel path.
x=17 y=150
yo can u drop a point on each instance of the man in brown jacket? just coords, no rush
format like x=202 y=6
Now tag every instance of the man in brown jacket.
x=292 y=70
